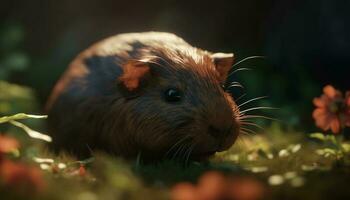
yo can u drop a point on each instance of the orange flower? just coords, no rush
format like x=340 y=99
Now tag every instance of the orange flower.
x=215 y=186
x=246 y=189
x=212 y=185
x=21 y=177
x=347 y=115
x=82 y=170
x=331 y=110
x=7 y=144
x=184 y=191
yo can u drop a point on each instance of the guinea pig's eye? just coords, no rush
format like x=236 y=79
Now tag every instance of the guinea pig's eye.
x=172 y=95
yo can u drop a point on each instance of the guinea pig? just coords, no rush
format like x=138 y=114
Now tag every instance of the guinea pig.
x=150 y=94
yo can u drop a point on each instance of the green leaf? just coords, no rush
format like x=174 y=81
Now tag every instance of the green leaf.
x=308 y=167
x=20 y=116
x=346 y=147
x=31 y=133
x=332 y=139
x=326 y=152
x=43 y=160
x=283 y=153
x=294 y=148
x=319 y=136
x=258 y=169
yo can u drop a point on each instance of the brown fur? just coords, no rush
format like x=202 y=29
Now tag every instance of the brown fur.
x=111 y=99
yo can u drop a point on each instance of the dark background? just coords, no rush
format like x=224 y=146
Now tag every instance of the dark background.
x=306 y=42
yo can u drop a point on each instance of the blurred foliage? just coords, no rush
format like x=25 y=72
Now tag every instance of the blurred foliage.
x=12 y=59
x=15 y=99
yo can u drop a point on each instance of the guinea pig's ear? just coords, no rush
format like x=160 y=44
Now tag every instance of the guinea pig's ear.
x=133 y=73
x=223 y=63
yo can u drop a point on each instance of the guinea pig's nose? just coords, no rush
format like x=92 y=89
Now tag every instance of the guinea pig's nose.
x=219 y=132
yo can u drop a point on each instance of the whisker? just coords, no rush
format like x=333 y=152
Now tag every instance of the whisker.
x=186 y=149
x=180 y=151
x=239 y=69
x=248 y=130
x=241 y=61
x=251 y=100
x=246 y=121
x=176 y=144
x=253 y=124
x=257 y=108
x=239 y=98
x=234 y=84
x=246 y=133
x=247 y=58
x=177 y=151
x=190 y=149
x=185 y=154
x=257 y=116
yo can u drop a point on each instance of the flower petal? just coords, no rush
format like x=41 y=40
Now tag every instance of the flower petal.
x=211 y=185
x=319 y=112
x=347 y=99
x=320 y=102
x=331 y=92
x=335 y=126
x=184 y=191
x=21 y=176
x=347 y=118
x=8 y=144
x=347 y=109
x=246 y=188
x=322 y=118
